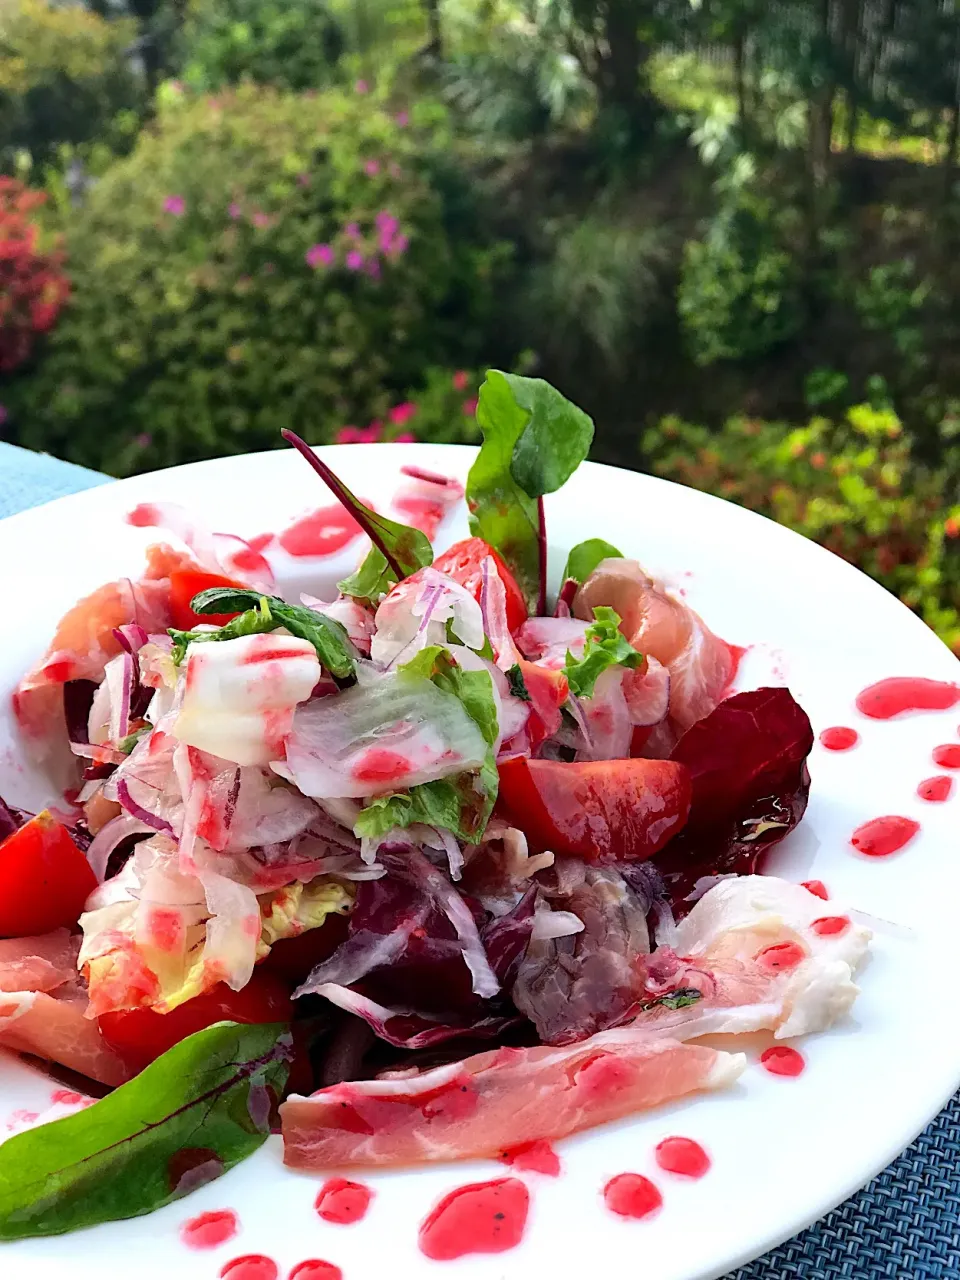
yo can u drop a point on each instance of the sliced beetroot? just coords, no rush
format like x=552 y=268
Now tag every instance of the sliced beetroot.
x=750 y=784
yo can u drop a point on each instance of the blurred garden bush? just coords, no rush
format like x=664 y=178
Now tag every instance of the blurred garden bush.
x=33 y=283
x=260 y=260
x=850 y=482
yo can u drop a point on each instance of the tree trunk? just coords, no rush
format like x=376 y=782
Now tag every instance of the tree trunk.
x=740 y=76
x=820 y=136
x=434 y=28
x=622 y=82
x=950 y=152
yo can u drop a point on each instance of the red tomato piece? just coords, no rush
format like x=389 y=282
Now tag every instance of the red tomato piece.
x=462 y=563
x=602 y=811
x=548 y=692
x=184 y=585
x=141 y=1035
x=44 y=879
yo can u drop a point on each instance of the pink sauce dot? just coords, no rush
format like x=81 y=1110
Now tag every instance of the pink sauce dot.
x=343 y=1202
x=880 y=837
x=144 y=516
x=839 y=738
x=380 y=765
x=68 y=1097
x=252 y=1266
x=783 y=1061
x=534 y=1157
x=894 y=697
x=631 y=1195
x=947 y=756
x=783 y=955
x=817 y=888
x=827 y=926
x=484 y=1217
x=935 y=790
x=210 y=1229
x=323 y=533
x=682 y=1156
x=260 y=542
x=315 y=1269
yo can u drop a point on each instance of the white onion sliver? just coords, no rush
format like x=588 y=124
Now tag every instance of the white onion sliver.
x=110 y=835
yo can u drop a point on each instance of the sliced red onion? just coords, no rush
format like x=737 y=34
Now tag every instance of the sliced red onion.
x=564 y=607
x=112 y=834
x=9 y=822
x=151 y=819
x=576 y=710
x=131 y=636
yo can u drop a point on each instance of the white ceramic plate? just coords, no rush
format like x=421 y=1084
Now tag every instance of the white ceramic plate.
x=784 y=1151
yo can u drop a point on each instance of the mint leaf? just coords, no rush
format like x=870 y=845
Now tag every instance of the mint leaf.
x=463 y=802
x=585 y=557
x=682 y=998
x=533 y=441
x=397 y=551
x=605 y=647
x=518 y=686
x=194 y=1113
x=326 y=635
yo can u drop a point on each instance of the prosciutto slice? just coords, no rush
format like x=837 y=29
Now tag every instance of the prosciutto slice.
x=54 y=1027
x=38 y=964
x=496 y=1100
x=700 y=664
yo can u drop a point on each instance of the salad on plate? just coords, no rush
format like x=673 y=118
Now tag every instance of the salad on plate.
x=436 y=869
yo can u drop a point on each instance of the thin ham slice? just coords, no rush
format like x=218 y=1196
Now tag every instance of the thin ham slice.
x=38 y=964
x=496 y=1100
x=659 y=624
x=54 y=1027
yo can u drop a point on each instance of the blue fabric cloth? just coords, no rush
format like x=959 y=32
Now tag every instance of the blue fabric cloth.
x=28 y=479
x=904 y=1223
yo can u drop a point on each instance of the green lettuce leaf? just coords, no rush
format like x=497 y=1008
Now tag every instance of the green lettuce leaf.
x=326 y=635
x=605 y=647
x=398 y=550
x=533 y=441
x=201 y=1108
x=585 y=557
x=463 y=802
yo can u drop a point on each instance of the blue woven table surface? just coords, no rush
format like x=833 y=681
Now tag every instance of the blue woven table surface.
x=905 y=1223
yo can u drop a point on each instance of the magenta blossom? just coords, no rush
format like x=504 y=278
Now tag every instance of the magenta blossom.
x=234 y=210
x=360 y=435
x=354 y=260
x=385 y=221
x=144 y=440
x=372 y=268
x=303 y=179
x=460 y=380
x=319 y=255
x=175 y=205
x=352 y=231
x=371 y=168
x=261 y=219
x=398 y=247
x=402 y=413
x=402 y=119
x=361 y=87
x=470 y=406
x=405 y=437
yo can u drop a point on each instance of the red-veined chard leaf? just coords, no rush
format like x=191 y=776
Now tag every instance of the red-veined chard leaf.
x=201 y=1108
x=585 y=557
x=397 y=552
x=533 y=441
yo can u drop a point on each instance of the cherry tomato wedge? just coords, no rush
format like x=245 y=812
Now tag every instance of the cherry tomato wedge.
x=602 y=811
x=184 y=585
x=141 y=1035
x=462 y=563
x=548 y=690
x=44 y=879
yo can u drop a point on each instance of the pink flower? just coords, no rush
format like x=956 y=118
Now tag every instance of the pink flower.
x=261 y=219
x=402 y=413
x=470 y=406
x=460 y=380
x=399 y=247
x=354 y=260
x=175 y=205
x=402 y=119
x=352 y=231
x=303 y=179
x=372 y=268
x=361 y=87
x=144 y=440
x=349 y=435
x=406 y=437
x=372 y=168
x=374 y=432
x=360 y=435
x=385 y=221
x=319 y=255
x=234 y=210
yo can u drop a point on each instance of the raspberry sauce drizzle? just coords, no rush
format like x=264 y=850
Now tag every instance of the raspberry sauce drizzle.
x=839 y=738
x=894 y=697
x=483 y=1217
x=343 y=1202
x=935 y=790
x=208 y=1230
x=781 y=1060
x=631 y=1195
x=682 y=1156
x=880 y=837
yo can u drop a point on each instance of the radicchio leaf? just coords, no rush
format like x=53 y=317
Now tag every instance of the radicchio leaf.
x=747 y=763
x=198 y=1107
